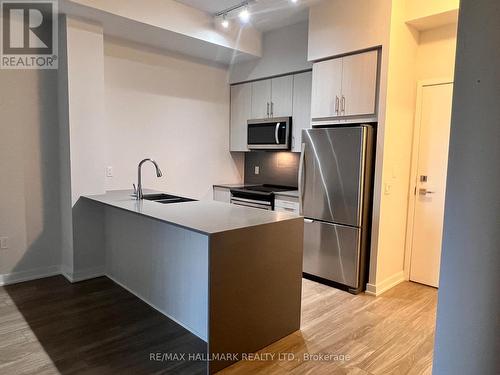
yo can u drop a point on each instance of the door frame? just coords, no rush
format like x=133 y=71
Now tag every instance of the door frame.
x=413 y=169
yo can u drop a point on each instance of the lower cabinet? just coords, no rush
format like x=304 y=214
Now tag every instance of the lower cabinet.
x=284 y=203
x=222 y=194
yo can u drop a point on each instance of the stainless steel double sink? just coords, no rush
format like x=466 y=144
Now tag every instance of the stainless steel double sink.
x=166 y=198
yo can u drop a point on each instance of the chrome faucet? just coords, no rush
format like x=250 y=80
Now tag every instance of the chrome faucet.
x=138 y=191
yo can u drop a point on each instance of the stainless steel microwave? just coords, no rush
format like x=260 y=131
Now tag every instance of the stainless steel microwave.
x=269 y=134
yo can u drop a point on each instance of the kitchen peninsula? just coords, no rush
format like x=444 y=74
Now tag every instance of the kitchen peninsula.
x=229 y=274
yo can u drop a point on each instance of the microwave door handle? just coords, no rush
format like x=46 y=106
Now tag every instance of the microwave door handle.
x=276 y=133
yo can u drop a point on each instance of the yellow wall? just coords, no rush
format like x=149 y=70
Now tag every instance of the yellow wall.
x=424 y=8
x=436 y=53
x=398 y=129
x=413 y=56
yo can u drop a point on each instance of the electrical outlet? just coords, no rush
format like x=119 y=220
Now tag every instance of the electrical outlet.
x=4 y=244
x=256 y=169
x=109 y=171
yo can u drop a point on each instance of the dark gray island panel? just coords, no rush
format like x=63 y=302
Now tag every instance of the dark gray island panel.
x=255 y=287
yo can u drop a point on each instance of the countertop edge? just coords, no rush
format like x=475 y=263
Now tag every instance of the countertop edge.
x=108 y=204
x=148 y=216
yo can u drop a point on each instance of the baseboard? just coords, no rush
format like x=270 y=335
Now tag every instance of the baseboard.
x=37 y=273
x=385 y=285
x=81 y=275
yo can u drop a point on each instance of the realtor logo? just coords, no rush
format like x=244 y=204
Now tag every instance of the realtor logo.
x=29 y=34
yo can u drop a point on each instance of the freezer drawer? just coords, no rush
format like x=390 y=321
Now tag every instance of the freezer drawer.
x=332 y=252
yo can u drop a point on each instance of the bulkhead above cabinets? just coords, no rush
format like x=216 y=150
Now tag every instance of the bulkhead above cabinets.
x=283 y=96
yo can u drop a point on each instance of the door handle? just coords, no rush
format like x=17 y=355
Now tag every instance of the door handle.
x=276 y=133
x=337 y=104
x=301 y=177
x=425 y=192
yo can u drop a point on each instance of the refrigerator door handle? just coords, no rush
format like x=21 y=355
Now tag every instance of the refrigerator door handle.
x=301 y=177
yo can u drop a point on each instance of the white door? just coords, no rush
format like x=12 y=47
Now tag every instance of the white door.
x=241 y=101
x=301 y=108
x=359 y=84
x=326 y=88
x=281 y=96
x=433 y=133
x=261 y=99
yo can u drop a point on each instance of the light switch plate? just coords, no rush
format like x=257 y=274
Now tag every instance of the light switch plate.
x=4 y=242
x=387 y=188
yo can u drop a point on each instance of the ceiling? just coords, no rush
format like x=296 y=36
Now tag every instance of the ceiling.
x=266 y=14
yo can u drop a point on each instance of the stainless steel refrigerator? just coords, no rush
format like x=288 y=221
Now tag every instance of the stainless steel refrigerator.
x=335 y=189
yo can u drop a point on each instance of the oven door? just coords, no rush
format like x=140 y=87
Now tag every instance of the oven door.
x=252 y=203
x=269 y=134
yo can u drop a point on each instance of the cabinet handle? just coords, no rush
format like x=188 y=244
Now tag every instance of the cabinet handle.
x=337 y=105
x=272 y=109
x=267 y=109
x=343 y=104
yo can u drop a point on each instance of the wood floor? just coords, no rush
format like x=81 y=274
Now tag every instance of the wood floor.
x=389 y=334
x=50 y=326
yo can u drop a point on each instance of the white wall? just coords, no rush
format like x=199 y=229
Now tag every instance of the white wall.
x=85 y=107
x=29 y=170
x=338 y=26
x=284 y=50
x=469 y=301
x=172 y=17
x=172 y=109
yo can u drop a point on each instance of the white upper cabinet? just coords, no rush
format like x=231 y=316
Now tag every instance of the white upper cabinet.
x=272 y=97
x=346 y=86
x=241 y=107
x=261 y=99
x=359 y=84
x=301 y=107
x=281 y=96
x=326 y=88
x=284 y=96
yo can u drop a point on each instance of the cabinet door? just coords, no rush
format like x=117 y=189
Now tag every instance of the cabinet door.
x=359 y=84
x=326 y=88
x=301 y=107
x=241 y=101
x=281 y=96
x=261 y=99
x=222 y=194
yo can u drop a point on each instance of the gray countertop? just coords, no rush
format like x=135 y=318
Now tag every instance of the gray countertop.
x=207 y=217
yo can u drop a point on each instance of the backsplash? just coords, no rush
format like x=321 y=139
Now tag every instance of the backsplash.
x=275 y=168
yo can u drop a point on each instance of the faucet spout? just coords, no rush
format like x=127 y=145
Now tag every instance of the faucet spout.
x=138 y=192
